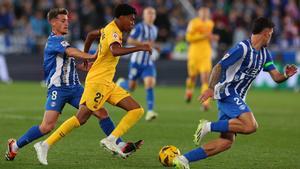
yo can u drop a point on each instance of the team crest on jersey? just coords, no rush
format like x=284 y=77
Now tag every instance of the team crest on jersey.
x=115 y=36
x=225 y=56
x=53 y=104
x=65 y=43
x=242 y=107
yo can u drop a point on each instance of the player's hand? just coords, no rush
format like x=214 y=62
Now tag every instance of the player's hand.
x=206 y=95
x=146 y=47
x=290 y=70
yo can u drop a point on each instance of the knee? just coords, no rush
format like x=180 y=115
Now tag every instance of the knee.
x=251 y=128
x=47 y=128
x=101 y=114
x=139 y=111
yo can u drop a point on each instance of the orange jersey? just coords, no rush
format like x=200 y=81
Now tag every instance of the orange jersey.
x=200 y=45
x=104 y=68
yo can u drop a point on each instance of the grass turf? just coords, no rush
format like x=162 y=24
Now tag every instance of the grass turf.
x=274 y=146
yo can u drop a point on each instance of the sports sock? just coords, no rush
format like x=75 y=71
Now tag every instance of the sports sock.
x=190 y=84
x=32 y=134
x=195 y=155
x=63 y=130
x=150 y=98
x=128 y=121
x=125 y=85
x=108 y=126
x=220 y=126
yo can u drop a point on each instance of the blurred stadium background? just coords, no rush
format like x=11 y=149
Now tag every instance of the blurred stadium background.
x=24 y=29
x=23 y=32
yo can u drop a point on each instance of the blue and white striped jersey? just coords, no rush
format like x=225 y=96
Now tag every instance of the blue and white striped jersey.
x=240 y=66
x=59 y=69
x=143 y=32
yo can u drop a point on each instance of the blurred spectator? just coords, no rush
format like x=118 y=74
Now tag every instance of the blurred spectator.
x=232 y=18
x=40 y=29
x=6 y=24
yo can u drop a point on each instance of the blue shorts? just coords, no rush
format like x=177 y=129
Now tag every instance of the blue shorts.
x=141 y=71
x=57 y=97
x=231 y=107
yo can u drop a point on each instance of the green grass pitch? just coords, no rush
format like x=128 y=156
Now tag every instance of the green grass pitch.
x=276 y=144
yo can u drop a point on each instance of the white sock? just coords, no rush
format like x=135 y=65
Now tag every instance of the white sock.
x=121 y=144
x=44 y=143
x=15 y=147
x=112 y=138
x=184 y=159
x=208 y=126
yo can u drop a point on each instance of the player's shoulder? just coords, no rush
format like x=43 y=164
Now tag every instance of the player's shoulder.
x=112 y=27
x=195 y=20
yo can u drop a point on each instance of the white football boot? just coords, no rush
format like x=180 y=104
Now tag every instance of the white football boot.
x=151 y=115
x=180 y=162
x=41 y=152
x=202 y=130
x=111 y=146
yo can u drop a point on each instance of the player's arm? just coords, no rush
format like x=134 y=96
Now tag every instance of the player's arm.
x=117 y=50
x=230 y=58
x=289 y=70
x=134 y=42
x=90 y=38
x=192 y=35
x=278 y=77
x=76 y=53
x=213 y=80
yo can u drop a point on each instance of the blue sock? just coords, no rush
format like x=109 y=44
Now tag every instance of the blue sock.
x=195 y=155
x=32 y=134
x=125 y=85
x=150 y=99
x=220 y=126
x=108 y=126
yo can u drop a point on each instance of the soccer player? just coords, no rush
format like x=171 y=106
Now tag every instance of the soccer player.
x=229 y=82
x=62 y=82
x=99 y=87
x=141 y=63
x=199 y=35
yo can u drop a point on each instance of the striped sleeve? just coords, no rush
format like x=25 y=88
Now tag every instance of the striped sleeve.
x=135 y=33
x=269 y=64
x=233 y=55
x=60 y=45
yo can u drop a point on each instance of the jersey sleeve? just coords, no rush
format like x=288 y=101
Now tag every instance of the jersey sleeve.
x=233 y=55
x=113 y=36
x=134 y=34
x=192 y=34
x=269 y=64
x=61 y=45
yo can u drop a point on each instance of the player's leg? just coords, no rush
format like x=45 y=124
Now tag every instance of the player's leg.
x=64 y=129
x=35 y=132
x=149 y=76
x=122 y=99
x=243 y=124
x=105 y=123
x=130 y=84
x=235 y=116
x=54 y=105
x=210 y=149
x=204 y=77
x=191 y=80
x=205 y=68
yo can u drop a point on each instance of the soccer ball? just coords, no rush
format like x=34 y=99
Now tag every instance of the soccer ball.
x=167 y=154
